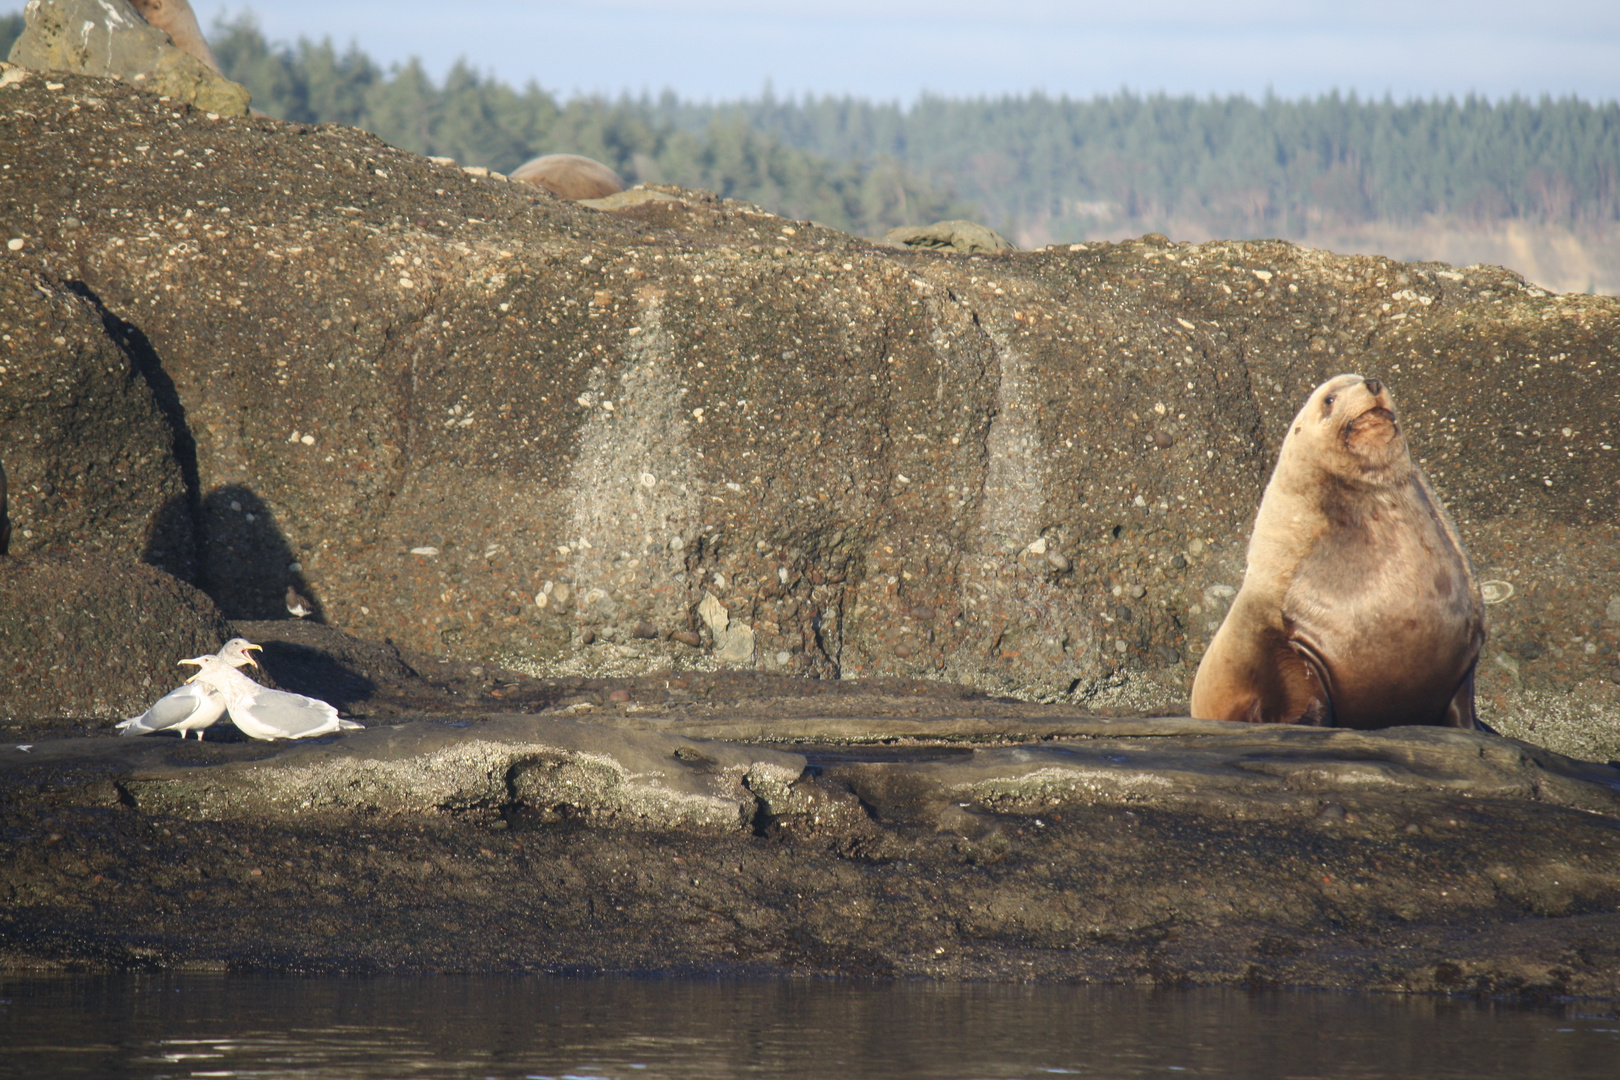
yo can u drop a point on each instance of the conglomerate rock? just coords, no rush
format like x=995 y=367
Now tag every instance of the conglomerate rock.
x=479 y=421
x=86 y=446
x=86 y=635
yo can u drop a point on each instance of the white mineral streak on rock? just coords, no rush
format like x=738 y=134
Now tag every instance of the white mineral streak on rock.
x=1048 y=627
x=612 y=508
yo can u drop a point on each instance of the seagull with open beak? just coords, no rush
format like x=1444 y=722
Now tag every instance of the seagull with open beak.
x=192 y=707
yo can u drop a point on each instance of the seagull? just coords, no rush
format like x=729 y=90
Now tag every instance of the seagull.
x=263 y=713
x=297 y=606
x=191 y=707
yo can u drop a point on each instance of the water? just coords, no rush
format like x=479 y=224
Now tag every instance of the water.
x=187 y=1026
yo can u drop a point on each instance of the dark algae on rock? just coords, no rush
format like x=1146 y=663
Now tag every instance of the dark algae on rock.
x=723 y=592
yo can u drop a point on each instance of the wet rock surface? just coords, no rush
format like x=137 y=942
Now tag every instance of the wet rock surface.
x=1163 y=852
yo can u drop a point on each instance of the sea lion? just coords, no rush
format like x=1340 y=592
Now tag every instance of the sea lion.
x=570 y=176
x=1359 y=607
x=175 y=18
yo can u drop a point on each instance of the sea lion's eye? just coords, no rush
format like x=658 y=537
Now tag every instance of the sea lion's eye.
x=1327 y=402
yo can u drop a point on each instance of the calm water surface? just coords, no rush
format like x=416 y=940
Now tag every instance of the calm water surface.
x=593 y=1029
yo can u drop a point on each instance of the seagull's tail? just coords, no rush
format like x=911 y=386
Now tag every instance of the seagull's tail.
x=133 y=726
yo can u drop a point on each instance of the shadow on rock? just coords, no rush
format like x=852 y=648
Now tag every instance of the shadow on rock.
x=171 y=543
x=309 y=658
x=248 y=565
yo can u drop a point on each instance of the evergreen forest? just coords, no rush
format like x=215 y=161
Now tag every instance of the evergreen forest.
x=1036 y=167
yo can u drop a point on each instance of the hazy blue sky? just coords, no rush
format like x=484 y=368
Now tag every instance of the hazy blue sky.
x=899 y=48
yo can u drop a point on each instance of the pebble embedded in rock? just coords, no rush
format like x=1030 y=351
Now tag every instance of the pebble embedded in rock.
x=923 y=614
x=687 y=637
x=1330 y=813
x=1137 y=591
x=619 y=696
x=644 y=629
x=1179 y=562
x=1163 y=439
x=1059 y=561
x=588 y=637
x=902 y=650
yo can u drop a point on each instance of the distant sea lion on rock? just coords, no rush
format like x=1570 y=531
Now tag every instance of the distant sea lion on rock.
x=175 y=18
x=1359 y=607
x=570 y=176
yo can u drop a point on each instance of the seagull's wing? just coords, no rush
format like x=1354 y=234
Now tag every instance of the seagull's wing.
x=289 y=716
x=196 y=706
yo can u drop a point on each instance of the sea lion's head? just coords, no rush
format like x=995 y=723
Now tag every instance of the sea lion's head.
x=1348 y=428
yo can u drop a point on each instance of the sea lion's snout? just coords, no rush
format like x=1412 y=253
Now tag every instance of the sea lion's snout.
x=1374 y=387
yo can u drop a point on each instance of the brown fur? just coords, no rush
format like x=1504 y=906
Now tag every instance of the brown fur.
x=175 y=18
x=1359 y=607
x=570 y=176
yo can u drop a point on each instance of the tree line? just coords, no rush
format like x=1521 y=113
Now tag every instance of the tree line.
x=1027 y=164
x=481 y=121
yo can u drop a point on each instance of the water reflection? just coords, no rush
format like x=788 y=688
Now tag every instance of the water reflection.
x=251 y=1026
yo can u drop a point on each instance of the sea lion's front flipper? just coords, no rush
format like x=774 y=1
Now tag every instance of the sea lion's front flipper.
x=1311 y=701
x=1460 y=711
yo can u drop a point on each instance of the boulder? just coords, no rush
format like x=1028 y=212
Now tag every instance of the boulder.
x=108 y=38
x=967 y=237
x=485 y=423
x=87 y=636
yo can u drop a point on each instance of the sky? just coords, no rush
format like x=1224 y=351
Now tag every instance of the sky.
x=898 y=49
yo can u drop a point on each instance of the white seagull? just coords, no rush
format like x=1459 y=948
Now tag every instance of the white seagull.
x=263 y=713
x=191 y=707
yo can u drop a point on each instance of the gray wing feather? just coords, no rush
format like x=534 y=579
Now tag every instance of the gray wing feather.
x=292 y=716
x=189 y=702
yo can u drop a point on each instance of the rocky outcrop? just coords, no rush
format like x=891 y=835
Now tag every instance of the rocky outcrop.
x=466 y=416
x=1149 y=851
x=108 y=38
x=90 y=454
x=90 y=636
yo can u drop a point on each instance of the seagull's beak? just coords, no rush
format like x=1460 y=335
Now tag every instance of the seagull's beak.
x=198 y=660
x=248 y=658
